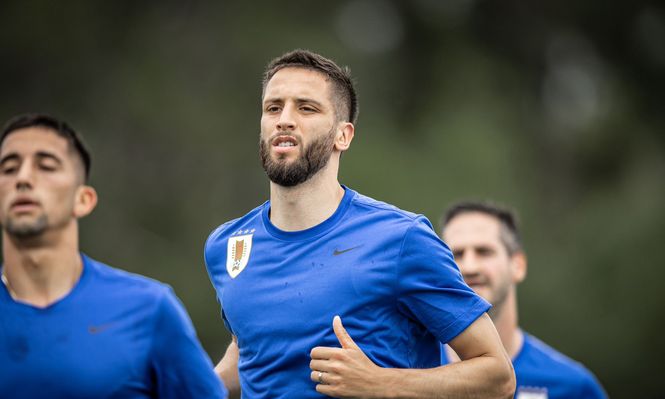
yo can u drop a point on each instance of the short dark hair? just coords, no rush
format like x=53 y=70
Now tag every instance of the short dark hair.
x=58 y=126
x=344 y=95
x=510 y=234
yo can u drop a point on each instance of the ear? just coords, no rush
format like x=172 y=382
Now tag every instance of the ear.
x=344 y=136
x=519 y=265
x=85 y=201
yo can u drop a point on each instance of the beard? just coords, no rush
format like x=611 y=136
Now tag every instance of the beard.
x=312 y=159
x=26 y=230
x=498 y=300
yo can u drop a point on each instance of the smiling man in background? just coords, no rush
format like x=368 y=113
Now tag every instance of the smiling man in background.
x=486 y=244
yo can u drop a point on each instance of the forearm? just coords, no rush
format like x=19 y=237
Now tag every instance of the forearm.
x=227 y=369
x=484 y=372
x=480 y=377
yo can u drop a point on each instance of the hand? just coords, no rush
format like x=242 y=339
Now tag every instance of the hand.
x=344 y=372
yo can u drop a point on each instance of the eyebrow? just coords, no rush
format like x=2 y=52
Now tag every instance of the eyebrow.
x=49 y=155
x=299 y=100
x=309 y=101
x=9 y=157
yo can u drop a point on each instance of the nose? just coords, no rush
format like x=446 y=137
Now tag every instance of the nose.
x=286 y=119
x=24 y=176
x=468 y=264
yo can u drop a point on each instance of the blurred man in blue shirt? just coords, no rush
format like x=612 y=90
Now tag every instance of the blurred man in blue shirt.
x=486 y=245
x=72 y=327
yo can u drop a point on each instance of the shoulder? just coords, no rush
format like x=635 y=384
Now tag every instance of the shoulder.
x=372 y=205
x=214 y=251
x=386 y=212
x=146 y=301
x=537 y=355
x=119 y=282
x=409 y=232
x=539 y=350
x=233 y=225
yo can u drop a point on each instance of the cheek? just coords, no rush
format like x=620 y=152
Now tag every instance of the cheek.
x=63 y=198
x=6 y=186
x=493 y=270
x=501 y=274
x=266 y=125
x=5 y=197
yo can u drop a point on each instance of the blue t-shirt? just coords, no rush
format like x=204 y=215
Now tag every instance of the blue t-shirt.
x=383 y=270
x=115 y=335
x=540 y=369
x=544 y=373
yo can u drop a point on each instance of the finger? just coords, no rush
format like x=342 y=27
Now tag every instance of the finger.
x=327 y=390
x=323 y=352
x=321 y=365
x=342 y=336
x=317 y=376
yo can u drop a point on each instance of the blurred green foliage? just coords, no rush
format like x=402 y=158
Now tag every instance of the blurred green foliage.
x=553 y=107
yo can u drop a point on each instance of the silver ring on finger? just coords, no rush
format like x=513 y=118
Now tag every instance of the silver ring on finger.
x=320 y=377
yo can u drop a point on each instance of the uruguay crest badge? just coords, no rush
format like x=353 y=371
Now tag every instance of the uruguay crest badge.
x=237 y=254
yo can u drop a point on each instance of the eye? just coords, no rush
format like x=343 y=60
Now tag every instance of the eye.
x=48 y=164
x=484 y=251
x=48 y=168
x=272 y=108
x=458 y=254
x=308 y=109
x=8 y=168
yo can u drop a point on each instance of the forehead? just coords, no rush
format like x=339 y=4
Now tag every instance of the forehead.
x=472 y=228
x=297 y=82
x=32 y=139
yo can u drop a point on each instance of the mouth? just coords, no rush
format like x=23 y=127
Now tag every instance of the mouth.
x=284 y=141
x=23 y=204
x=475 y=283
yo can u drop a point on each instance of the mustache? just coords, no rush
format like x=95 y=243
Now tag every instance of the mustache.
x=475 y=280
x=273 y=136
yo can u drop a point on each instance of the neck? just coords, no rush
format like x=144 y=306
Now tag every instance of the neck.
x=506 y=325
x=41 y=270
x=312 y=202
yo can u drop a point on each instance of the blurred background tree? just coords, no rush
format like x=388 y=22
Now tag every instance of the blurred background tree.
x=554 y=107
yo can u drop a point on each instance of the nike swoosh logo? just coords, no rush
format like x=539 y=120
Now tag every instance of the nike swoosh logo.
x=337 y=252
x=99 y=328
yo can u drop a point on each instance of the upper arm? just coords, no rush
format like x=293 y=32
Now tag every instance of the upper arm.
x=430 y=288
x=180 y=365
x=480 y=338
x=480 y=341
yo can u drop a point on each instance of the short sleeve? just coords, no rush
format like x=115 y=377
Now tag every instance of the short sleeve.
x=214 y=258
x=430 y=286
x=181 y=367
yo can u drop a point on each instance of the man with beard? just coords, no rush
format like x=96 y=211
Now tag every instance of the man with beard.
x=485 y=242
x=72 y=327
x=318 y=253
